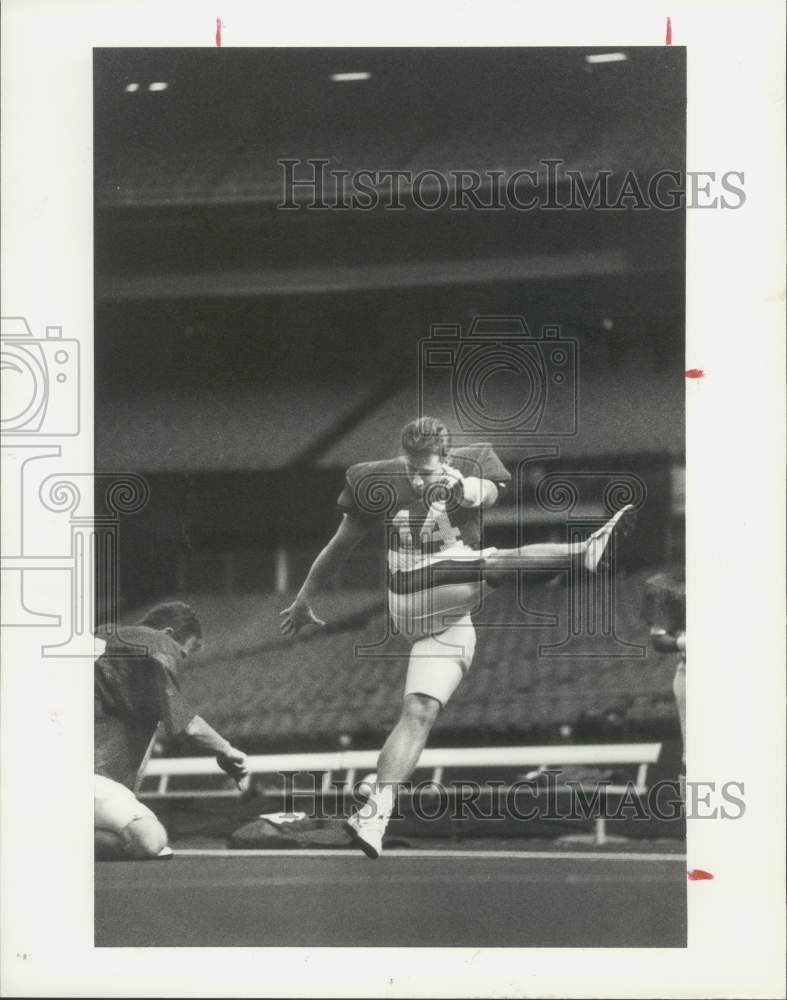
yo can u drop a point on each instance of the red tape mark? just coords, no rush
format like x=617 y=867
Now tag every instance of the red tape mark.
x=695 y=373
x=669 y=32
x=218 y=32
x=698 y=875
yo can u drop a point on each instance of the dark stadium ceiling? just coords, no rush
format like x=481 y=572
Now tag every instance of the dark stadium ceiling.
x=227 y=116
x=187 y=177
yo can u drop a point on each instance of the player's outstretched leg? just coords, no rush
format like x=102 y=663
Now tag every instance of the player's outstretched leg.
x=597 y=544
x=549 y=557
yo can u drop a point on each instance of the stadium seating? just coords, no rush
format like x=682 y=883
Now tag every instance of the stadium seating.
x=268 y=693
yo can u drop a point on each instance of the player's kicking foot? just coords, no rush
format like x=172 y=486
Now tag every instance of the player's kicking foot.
x=599 y=541
x=367 y=833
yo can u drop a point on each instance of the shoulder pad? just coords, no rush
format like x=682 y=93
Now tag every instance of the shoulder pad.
x=377 y=486
x=471 y=459
x=390 y=468
x=473 y=451
x=480 y=460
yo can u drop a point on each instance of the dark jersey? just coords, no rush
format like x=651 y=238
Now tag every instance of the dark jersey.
x=432 y=541
x=136 y=689
x=429 y=523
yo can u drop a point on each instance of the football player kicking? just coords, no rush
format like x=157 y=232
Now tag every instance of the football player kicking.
x=429 y=502
x=136 y=690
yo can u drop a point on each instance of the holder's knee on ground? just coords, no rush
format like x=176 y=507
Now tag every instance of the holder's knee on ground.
x=142 y=839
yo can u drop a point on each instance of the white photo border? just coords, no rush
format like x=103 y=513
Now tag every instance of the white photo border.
x=735 y=500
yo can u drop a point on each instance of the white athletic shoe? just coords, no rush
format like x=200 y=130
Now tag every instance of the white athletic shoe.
x=599 y=540
x=367 y=833
x=366 y=826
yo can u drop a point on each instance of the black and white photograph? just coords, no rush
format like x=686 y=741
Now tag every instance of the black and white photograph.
x=395 y=340
x=382 y=566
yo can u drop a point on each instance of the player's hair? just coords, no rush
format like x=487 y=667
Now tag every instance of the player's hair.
x=180 y=617
x=425 y=436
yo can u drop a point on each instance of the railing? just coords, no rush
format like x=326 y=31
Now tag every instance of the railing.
x=353 y=764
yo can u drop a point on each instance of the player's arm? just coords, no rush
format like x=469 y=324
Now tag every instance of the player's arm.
x=478 y=492
x=202 y=736
x=349 y=533
x=484 y=476
x=180 y=721
x=474 y=490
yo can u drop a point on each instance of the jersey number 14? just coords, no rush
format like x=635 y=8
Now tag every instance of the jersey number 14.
x=436 y=532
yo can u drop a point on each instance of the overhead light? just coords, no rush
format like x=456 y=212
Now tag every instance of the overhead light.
x=606 y=57
x=349 y=77
x=132 y=88
x=158 y=86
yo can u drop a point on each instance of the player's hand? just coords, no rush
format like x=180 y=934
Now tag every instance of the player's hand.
x=295 y=617
x=451 y=475
x=233 y=763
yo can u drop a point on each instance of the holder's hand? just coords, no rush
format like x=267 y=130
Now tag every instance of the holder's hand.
x=295 y=617
x=233 y=762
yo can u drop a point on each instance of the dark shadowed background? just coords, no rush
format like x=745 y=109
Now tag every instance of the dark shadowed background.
x=245 y=355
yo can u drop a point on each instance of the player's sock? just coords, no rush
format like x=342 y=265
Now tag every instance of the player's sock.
x=599 y=540
x=367 y=826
